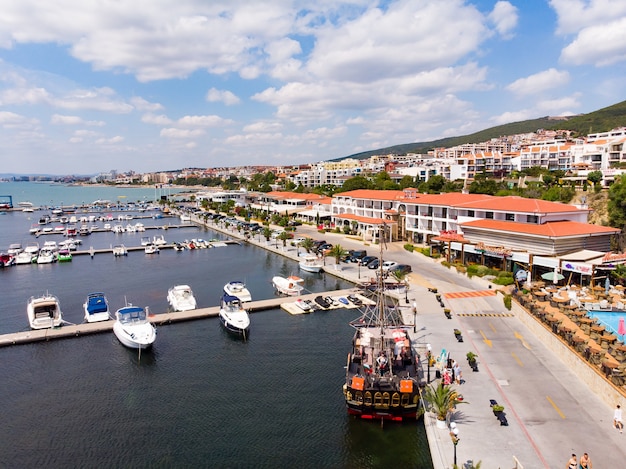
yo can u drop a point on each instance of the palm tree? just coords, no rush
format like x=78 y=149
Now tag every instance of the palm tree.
x=267 y=233
x=441 y=400
x=401 y=276
x=284 y=236
x=338 y=253
x=307 y=245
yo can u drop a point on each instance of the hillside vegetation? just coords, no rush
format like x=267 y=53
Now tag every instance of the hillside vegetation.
x=601 y=120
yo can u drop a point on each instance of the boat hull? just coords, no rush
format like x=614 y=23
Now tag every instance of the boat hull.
x=132 y=338
x=44 y=313
x=233 y=328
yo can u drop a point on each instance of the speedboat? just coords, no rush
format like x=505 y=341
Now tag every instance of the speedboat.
x=323 y=302
x=64 y=255
x=32 y=248
x=238 y=288
x=14 y=249
x=290 y=286
x=44 y=312
x=24 y=258
x=120 y=250
x=180 y=298
x=159 y=240
x=151 y=249
x=132 y=327
x=304 y=305
x=96 y=308
x=6 y=260
x=382 y=372
x=233 y=317
x=46 y=256
x=311 y=264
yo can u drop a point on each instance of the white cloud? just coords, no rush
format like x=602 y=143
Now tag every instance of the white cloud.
x=224 y=96
x=202 y=121
x=514 y=116
x=504 y=18
x=58 y=119
x=181 y=133
x=11 y=120
x=110 y=141
x=559 y=106
x=539 y=82
x=263 y=126
x=602 y=45
x=574 y=16
x=156 y=120
x=143 y=105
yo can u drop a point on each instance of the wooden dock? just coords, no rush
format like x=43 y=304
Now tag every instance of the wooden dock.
x=78 y=330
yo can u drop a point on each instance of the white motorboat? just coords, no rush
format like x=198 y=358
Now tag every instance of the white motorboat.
x=32 y=248
x=24 y=258
x=311 y=264
x=44 y=312
x=96 y=308
x=304 y=305
x=120 y=250
x=159 y=240
x=14 y=249
x=238 y=288
x=50 y=246
x=233 y=316
x=46 y=256
x=145 y=240
x=290 y=286
x=180 y=298
x=185 y=217
x=151 y=248
x=132 y=327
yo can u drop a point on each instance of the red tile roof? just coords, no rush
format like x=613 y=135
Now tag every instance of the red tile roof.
x=554 y=229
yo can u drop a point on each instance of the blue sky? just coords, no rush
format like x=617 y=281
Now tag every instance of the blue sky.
x=155 y=85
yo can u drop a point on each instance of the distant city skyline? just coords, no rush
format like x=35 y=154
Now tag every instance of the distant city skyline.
x=157 y=85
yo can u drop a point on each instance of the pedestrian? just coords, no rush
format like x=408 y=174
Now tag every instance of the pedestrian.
x=585 y=462
x=457 y=373
x=572 y=463
x=617 y=418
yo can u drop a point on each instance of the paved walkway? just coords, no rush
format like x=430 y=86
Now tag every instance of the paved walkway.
x=551 y=412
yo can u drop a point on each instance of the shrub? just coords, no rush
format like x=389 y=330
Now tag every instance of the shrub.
x=497 y=408
x=409 y=247
x=507 y=301
x=446 y=264
x=425 y=251
x=504 y=281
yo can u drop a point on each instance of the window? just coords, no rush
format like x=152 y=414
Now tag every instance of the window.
x=510 y=217
x=532 y=219
x=489 y=215
x=470 y=213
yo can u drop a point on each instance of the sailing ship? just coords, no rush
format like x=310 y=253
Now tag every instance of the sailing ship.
x=383 y=372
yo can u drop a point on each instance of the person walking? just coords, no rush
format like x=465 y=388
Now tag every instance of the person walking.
x=572 y=463
x=585 y=462
x=617 y=418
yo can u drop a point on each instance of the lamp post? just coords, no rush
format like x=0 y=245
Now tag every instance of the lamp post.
x=414 y=315
x=429 y=357
x=406 y=295
x=359 y=267
x=454 y=435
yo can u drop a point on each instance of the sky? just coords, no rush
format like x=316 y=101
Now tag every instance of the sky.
x=158 y=85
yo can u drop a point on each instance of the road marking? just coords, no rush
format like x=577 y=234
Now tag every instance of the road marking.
x=521 y=339
x=519 y=362
x=486 y=315
x=485 y=339
x=555 y=407
x=469 y=294
x=492 y=328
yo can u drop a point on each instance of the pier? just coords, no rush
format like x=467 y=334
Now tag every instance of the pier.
x=160 y=319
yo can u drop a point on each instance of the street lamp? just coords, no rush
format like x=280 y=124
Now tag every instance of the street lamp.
x=359 y=267
x=429 y=357
x=414 y=315
x=406 y=295
x=454 y=436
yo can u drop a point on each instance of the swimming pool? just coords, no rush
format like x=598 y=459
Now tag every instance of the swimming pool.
x=609 y=319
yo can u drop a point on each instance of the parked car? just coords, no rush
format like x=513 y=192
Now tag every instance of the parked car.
x=375 y=264
x=388 y=265
x=356 y=255
x=367 y=259
x=403 y=268
x=324 y=247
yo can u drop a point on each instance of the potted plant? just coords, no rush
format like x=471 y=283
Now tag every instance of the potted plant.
x=471 y=360
x=458 y=335
x=447 y=312
x=441 y=400
x=497 y=409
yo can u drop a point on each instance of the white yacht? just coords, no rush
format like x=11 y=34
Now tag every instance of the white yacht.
x=311 y=264
x=96 y=308
x=238 y=288
x=46 y=256
x=233 y=317
x=290 y=286
x=180 y=298
x=132 y=327
x=44 y=312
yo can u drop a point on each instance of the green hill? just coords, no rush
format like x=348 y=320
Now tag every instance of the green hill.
x=598 y=121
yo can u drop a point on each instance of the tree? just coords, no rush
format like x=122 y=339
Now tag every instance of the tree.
x=595 y=177
x=356 y=182
x=617 y=203
x=284 y=236
x=307 y=245
x=338 y=253
x=441 y=399
x=406 y=182
x=267 y=233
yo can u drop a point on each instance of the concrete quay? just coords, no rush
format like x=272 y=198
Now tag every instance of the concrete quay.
x=555 y=404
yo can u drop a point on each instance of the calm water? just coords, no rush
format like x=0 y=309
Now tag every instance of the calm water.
x=198 y=398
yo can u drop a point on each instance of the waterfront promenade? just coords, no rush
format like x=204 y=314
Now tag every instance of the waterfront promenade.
x=554 y=404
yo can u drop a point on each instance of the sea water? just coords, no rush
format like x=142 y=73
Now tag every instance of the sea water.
x=199 y=397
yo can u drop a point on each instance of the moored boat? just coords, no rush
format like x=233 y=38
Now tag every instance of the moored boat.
x=96 y=308
x=382 y=373
x=46 y=256
x=64 y=255
x=233 y=317
x=44 y=312
x=180 y=298
x=151 y=249
x=120 y=250
x=238 y=288
x=24 y=258
x=311 y=264
x=290 y=286
x=132 y=327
